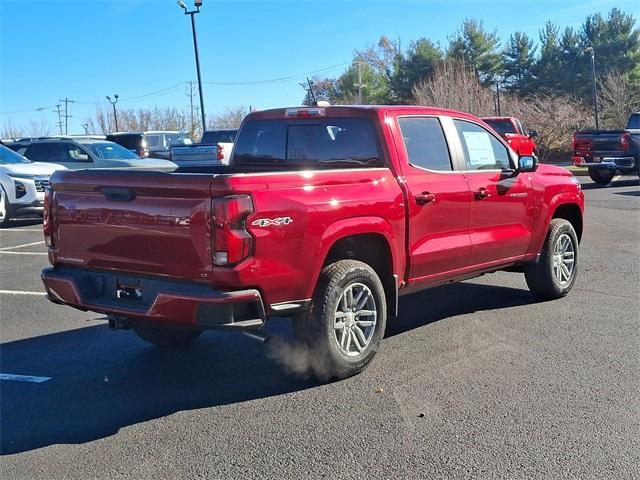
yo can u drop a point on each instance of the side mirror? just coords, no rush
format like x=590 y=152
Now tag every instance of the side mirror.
x=527 y=164
x=533 y=133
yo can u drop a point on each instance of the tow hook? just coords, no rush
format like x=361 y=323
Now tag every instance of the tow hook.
x=119 y=323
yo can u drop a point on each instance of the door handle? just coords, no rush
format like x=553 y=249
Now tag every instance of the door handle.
x=482 y=193
x=425 y=197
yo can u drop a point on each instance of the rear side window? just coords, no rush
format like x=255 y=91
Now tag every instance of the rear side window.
x=132 y=142
x=425 y=143
x=317 y=143
x=40 y=152
x=219 y=136
x=634 y=122
x=482 y=151
x=151 y=141
x=501 y=126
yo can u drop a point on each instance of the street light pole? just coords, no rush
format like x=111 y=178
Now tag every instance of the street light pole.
x=595 y=86
x=113 y=104
x=198 y=4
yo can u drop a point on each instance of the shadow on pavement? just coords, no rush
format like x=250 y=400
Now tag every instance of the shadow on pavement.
x=625 y=182
x=102 y=381
x=435 y=304
x=635 y=193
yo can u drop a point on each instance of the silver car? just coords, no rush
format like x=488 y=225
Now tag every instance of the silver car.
x=87 y=153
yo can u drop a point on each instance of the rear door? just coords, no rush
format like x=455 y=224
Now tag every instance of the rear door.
x=501 y=214
x=439 y=200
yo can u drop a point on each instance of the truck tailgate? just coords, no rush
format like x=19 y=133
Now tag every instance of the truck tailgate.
x=141 y=222
x=599 y=140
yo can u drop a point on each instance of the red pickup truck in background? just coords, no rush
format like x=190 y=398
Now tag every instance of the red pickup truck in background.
x=325 y=214
x=511 y=129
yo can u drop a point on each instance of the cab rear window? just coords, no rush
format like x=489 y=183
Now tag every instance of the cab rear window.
x=317 y=143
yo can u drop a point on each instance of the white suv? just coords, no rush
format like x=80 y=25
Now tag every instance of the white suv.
x=22 y=185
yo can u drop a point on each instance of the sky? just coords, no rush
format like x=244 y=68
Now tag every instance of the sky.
x=142 y=50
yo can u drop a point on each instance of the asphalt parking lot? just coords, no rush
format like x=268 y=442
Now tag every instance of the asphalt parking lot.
x=475 y=380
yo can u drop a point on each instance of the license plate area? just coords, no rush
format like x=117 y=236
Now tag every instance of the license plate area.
x=129 y=291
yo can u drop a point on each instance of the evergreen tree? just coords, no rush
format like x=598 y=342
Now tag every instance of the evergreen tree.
x=519 y=59
x=479 y=49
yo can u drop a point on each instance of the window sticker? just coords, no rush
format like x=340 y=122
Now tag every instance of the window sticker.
x=479 y=148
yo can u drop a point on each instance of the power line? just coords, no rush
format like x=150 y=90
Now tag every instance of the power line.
x=39 y=109
x=173 y=87
x=282 y=79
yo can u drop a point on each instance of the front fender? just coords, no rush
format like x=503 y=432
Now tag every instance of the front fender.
x=547 y=208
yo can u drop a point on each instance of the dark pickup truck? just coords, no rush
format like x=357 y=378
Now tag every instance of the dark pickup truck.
x=607 y=152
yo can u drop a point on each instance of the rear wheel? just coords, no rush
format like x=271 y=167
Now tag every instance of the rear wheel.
x=346 y=320
x=555 y=272
x=602 y=176
x=166 y=337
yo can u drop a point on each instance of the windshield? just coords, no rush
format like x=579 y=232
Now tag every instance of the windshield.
x=111 y=151
x=325 y=143
x=634 y=122
x=8 y=156
x=501 y=126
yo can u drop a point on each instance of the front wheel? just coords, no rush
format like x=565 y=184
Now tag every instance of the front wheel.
x=554 y=274
x=602 y=176
x=346 y=320
x=166 y=337
x=4 y=208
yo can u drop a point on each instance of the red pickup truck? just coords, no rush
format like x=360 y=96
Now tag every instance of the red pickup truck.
x=511 y=129
x=323 y=214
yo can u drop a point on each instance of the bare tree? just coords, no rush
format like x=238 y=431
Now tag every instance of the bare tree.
x=455 y=85
x=11 y=130
x=555 y=117
x=38 y=128
x=618 y=99
x=230 y=118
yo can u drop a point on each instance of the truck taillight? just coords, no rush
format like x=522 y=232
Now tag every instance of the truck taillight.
x=230 y=241
x=46 y=218
x=220 y=152
x=625 y=141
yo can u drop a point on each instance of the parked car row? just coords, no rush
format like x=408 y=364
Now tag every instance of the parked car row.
x=22 y=185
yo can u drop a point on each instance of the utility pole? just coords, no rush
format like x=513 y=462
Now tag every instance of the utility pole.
x=190 y=82
x=197 y=4
x=595 y=84
x=498 y=95
x=66 y=115
x=115 y=113
x=359 y=82
x=59 y=117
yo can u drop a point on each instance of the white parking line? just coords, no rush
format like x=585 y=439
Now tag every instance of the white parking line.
x=20 y=292
x=17 y=230
x=22 y=246
x=23 y=378
x=23 y=253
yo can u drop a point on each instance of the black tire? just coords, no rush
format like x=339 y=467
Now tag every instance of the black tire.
x=542 y=276
x=166 y=337
x=5 y=208
x=602 y=176
x=317 y=327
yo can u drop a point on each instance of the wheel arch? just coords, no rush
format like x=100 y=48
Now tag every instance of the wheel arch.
x=369 y=240
x=573 y=214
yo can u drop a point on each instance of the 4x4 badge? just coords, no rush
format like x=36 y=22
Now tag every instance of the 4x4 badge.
x=267 y=222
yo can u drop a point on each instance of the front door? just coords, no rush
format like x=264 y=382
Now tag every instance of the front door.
x=439 y=201
x=501 y=215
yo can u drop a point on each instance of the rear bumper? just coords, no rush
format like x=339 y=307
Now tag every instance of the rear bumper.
x=154 y=300
x=625 y=162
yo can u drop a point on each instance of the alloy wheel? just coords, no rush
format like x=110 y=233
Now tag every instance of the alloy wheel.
x=355 y=319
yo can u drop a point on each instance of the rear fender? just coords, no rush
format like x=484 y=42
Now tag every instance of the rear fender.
x=359 y=226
